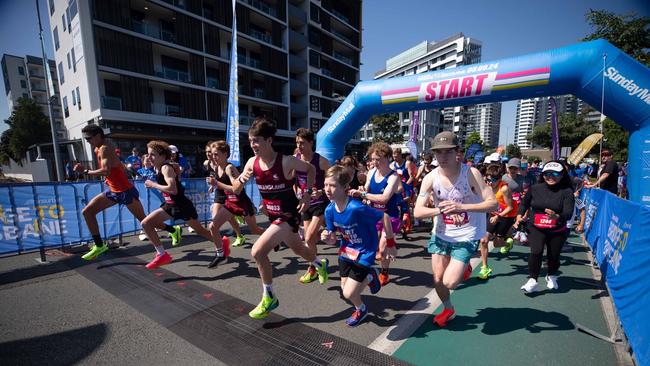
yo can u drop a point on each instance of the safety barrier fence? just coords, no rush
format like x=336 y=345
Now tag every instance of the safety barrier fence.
x=49 y=215
x=618 y=233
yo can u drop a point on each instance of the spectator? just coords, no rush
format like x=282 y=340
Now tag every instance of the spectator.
x=146 y=172
x=608 y=176
x=133 y=163
x=69 y=172
x=178 y=158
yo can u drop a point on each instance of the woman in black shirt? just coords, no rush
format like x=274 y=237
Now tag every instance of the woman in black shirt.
x=548 y=205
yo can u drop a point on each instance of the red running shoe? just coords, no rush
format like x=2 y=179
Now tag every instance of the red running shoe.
x=160 y=260
x=225 y=241
x=442 y=318
x=468 y=272
x=383 y=277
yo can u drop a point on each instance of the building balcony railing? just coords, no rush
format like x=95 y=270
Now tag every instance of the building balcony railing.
x=163 y=109
x=33 y=74
x=263 y=6
x=326 y=72
x=112 y=103
x=212 y=83
x=260 y=35
x=342 y=35
x=178 y=3
x=172 y=74
x=152 y=30
x=259 y=93
x=340 y=15
x=342 y=58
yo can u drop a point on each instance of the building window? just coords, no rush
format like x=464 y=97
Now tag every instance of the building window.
x=314 y=59
x=69 y=63
x=71 y=11
x=55 y=33
x=74 y=98
x=21 y=70
x=23 y=84
x=61 y=75
x=314 y=81
x=51 y=6
x=314 y=13
x=78 y=99
x=314 y=104
x=66 y=112
x=74 y=61
x=63 y=21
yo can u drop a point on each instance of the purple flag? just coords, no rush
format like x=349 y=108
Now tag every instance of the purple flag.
x=555 y=134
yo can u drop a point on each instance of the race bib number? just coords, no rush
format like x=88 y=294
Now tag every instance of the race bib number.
x=349 y=253
x=516 y=197
x=232 y=197
x=449 y=219
x=544 y=221
x=273 y=207
x=379 y=206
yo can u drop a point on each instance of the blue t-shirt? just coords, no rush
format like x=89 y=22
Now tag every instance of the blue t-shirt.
x=146 y=174
x=185 y=165
x=135 y=162
x=356 y=224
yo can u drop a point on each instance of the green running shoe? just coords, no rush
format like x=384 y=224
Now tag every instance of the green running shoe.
x=485 y=272
x=264 y=308
x=506 y=249
x=310 y=276
x=176 y=235
x=240 y=220
x=95 y=252
x=322 y=270
x=241 y=240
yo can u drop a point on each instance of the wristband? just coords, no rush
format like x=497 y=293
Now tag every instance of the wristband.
x=390 y=243
x=364 y=195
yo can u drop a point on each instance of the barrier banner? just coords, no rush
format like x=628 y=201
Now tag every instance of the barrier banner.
x=50 y=214
x=618 y=233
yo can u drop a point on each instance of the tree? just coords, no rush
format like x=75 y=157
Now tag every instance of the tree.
x=386 y=128
x=513 y=151
x=573 y=129
x=474 y=138
x=27 y=126
x=629 y=33
x=616 y=139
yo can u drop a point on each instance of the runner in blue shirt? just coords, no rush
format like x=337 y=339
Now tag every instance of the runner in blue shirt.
x=355 y=223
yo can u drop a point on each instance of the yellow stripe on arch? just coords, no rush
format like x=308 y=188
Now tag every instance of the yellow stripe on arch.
x=520 y=85
x=399 y=100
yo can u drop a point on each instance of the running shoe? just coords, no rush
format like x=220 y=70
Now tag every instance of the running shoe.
x=468 y=272
x=322 y=270
x=374 y=284
x=94 y=252
x=176 y=235
x=506 y=249
x=530 y=286
x=445 y=316
x=217 y=259
x=240 y=220
x=241 y=240
x=485 y=272
x=160 y=260
x=310 y=276
x=143 y=236
x=551 y=282
x=383 y=277
x=264 y=307
x=301 y=233
x=357 y=317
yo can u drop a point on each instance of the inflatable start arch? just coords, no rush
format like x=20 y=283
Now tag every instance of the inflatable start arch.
x=576 y=69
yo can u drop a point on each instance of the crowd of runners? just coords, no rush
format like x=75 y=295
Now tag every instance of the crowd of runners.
x=362 y=207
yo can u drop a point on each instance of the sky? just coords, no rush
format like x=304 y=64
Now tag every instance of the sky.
x=506 y=28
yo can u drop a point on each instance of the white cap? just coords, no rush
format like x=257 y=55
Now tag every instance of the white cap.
x=492 y=158
x=553 y=167
x=173 y=149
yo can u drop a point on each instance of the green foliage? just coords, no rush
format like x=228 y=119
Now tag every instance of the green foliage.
x=615 y=139
x=573 y=129
x=27 y=126
x=628 y=32
x=474 y=138
x=513 y=151
x=532 y=158
x=386 y=128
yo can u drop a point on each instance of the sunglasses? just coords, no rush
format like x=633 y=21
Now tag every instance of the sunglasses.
x=491 y=179
x=552 y=174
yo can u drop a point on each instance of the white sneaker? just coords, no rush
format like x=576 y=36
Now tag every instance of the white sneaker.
x=530 y=286
x=189 y=228
x=523 y=238
x=551 y=282
x=143 y=237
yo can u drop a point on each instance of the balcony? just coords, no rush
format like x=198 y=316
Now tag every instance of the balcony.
x=163 y=109
x=262 y=6
x=153 y=31
x=326 y=72
x=171 y=74
x=178 y=3
x=260 y=35
x=343 y=36
x=343 y=58
x=112 y=103
x=38 y=88
x=340 y=15
x=259 y=93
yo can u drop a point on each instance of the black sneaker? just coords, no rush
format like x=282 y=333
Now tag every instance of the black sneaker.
x=217 y=259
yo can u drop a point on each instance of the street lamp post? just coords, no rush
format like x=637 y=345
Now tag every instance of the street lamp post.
x=55 y=144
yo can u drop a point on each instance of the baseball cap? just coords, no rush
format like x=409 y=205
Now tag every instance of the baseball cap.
x=444 y=140
x=173 y=149
x=514 y=162
x=492 y=158
x=553 y=167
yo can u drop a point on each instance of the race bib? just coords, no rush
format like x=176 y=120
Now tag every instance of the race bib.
x=449 y=220
x=273 y=207
x=544 y=221
x=516 y=197
x=379 y=206
x=349 y=253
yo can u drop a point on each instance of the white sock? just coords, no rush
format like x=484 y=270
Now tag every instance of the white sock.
x=268 y=290
x=362 y=307
x=219 y=252
x=160 y=250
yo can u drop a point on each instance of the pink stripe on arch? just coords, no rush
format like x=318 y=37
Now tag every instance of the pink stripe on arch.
x=510 y=75
x=400 y=91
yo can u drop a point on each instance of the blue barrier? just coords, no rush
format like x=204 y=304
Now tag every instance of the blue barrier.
x=617 y=231
x=47 y=215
